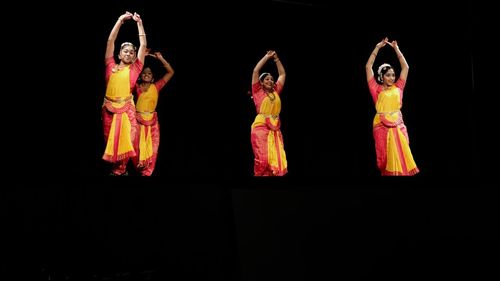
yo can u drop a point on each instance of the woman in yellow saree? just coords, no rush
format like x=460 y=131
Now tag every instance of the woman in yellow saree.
x=147 y=140
x=118 y=109
x=394 y=157
x=266 y=137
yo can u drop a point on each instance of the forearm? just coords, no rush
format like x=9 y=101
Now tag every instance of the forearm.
x=110 y=47
x=401 y=58
x=167 y=65
x=260 y=64
x=114 y=31
x=371 y=59
x=279 y=65
x=142 y=34
x=141 y=53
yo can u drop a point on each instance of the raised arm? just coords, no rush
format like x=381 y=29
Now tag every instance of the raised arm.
x=141 y=53
x=170 y=70
x=402 y=61
x=260 y=64
x=371 y=59
x=281 y=69
x=110 y=47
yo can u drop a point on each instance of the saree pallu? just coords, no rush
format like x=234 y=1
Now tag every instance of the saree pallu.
x=147 y=142
x=120 y=125
x=394 y=157
x=267 y=145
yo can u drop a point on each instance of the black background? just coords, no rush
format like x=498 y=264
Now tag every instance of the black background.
x=205 y=112
x=202 y=215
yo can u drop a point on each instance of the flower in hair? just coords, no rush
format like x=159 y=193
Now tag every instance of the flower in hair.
x=380 y=68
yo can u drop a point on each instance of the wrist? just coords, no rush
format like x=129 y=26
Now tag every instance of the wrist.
x=276 y=60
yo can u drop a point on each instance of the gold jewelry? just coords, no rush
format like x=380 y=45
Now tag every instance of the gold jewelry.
x=271 y=96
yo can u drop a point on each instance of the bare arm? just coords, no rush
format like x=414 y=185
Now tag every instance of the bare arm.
x=281 y=70
x=402 y=61
x=371 y=59
x=260 y=64
x=170 y=70
x=141 y=53
x=110 y=47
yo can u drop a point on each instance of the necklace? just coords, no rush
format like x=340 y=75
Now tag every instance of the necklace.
x=271 y=96
x=145 y=86
x=118 y=67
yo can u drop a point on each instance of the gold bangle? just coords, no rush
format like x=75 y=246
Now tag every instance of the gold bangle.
x=276 y=60
x=143 y=34
x=374 y=54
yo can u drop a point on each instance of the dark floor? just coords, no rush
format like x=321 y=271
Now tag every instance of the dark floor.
x=142 y=230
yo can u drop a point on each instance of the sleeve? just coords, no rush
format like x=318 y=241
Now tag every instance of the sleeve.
x=110 y=60
x=135 y=71
x=255 y=88
x=137 y=89
x=374 y=88
x=160 y=84
x=110 y=63
x=278 y=87
x=401 y=84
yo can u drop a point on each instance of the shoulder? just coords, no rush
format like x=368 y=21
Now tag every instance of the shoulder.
x=401 y=83
x=256 y=87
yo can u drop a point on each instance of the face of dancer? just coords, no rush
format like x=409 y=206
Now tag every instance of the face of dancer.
x=127 y=54
x=389 y=77
x=147 y=75
x=267 y=82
